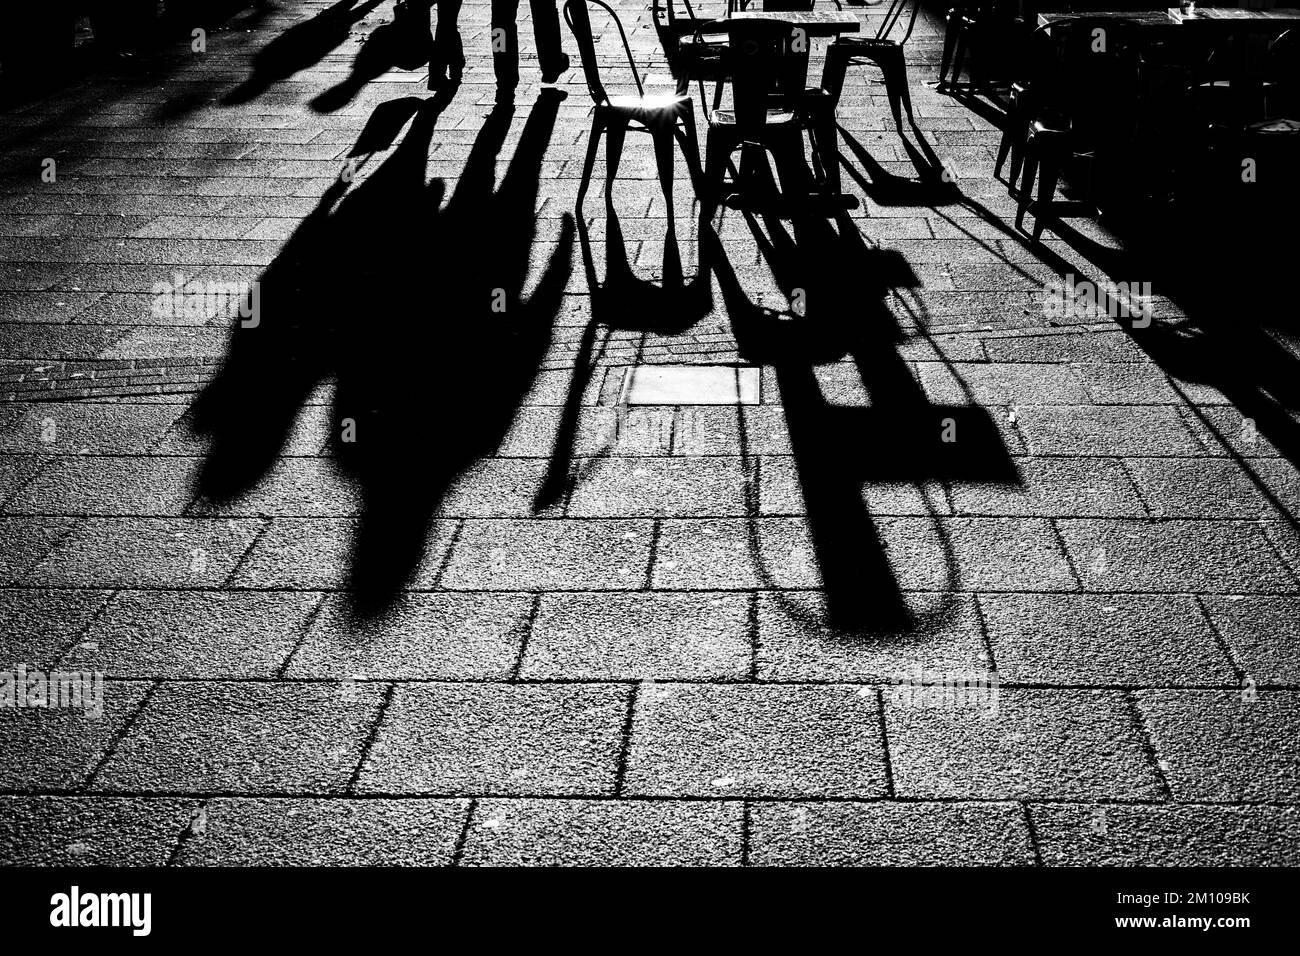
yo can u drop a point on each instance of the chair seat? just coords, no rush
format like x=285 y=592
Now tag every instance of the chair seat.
x=1274 y=127
x=774 y=117
x=648 y=106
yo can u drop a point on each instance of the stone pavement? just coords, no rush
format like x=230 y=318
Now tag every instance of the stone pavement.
x=633 y=633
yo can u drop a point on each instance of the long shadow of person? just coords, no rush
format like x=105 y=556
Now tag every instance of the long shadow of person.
x=396 y=299
x=406 y=42
x=299 y=47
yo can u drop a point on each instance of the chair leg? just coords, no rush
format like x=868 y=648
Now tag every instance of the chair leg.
x=717 y=96
x=593 y=144
x=826 y=139
x=614 y=137
x=691 y=146
x=716 y=151
x=958 y=56
x=1047 y=175
x=663 y=143
x=1026 y=186
x=894 y=69
x=835 y=68
x=1004 y=149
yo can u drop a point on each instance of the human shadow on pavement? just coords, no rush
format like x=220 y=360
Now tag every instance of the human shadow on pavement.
x=847 y=323
x=416 y=311
x=301 y=46
x=406 y=42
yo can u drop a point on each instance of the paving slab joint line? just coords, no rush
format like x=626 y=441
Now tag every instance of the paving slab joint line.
x=1033 y=832
x=533 y=609
x=436 y=584
x=247 y=553
x=1126 y=467
x=187 y=832
x=884 y=744
x=458 y=853
x=371 y=737
x=746 y=827
x=1148 y=743
x=983 y=623
x=625 y=747
x=80 y=632
x=1065 y=551
x=1224 y=646
x=127 y=726
x=304 y=629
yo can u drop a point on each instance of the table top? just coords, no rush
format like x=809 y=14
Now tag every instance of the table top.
x=1172 y=17
x=813 y=22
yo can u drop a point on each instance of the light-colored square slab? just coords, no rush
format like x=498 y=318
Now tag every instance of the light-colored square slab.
x=689 y=385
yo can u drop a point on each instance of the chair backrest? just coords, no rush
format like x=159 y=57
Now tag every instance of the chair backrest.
x=578 y=17
x=1091 y=70
x=893 y=16
x=758 y=57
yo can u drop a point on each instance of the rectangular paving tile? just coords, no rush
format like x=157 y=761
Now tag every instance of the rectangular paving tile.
x=152 y=552
x=76 y=428
x=109 y=486
x=604 y=833
x=781 y=493
x=91 y=831
x=1109 y=639
x=656 y=636
x=1198 y=488
x=885 y=833
x=548 y=555
x=1206 y=556
x=1053 y=487
x=796 y=640
x=27 y=541
x=1263 y=634
x=654 y=487
x=1002 y=383
x=736 y=740
x=200 y=635
x=57 y=748
x=1071 y=834
x=977 y=554
x=689 y=385
x=1133 y=430
x=244 y=737
x=1059 y=744
x=252 y=831
x=37 y=626
x=423 y=636
x=295 y=487
x=1227 y=746
x=498 y=739
x=501 y=488
x=735 y=554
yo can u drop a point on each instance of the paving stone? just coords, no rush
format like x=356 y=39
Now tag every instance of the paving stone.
x=325 y=832
x=695 y=636
x=1054 y=487
x=720 y=554
x=1263 y=634
x=649 y=487
x=197 y=635
x=796 y=640
x=27 y=541
x=1206 y=556
x=146 y=552
x=64 y=428
x=780 y=493
x=604 y=833
x=297 y=487
x=889 y=834
x=58 y=748
x=1001 y=384
x=244 y=737
x=690 y=385
x=15 y=472
x=1127 y=384
x=37 y=626
x=423 y=637
x=1226 y=746
x=1108 y=639
x=548 y=555
x=91 y=831
x=755 y=430
x=1134 y=430
x=109 y=486
x=1021 y=744
x=718 y=741
x=1227 y=431
x=1198 y=488
x=1187 y=835
x=500 y=488
x=498 y=739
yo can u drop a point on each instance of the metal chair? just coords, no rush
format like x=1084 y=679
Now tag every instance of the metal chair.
x=663 y=116
x=884 y=50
